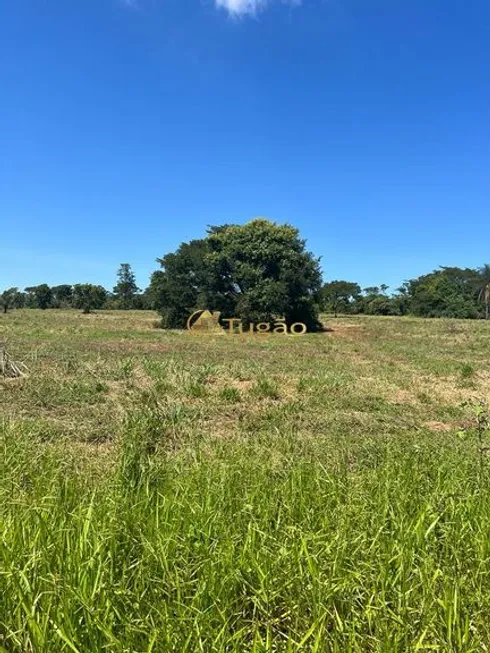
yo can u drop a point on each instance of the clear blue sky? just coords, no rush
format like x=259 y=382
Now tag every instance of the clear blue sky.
x=128 y=126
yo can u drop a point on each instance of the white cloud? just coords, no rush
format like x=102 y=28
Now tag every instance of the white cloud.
x=233 y=7
x=239 y=7
x=251 y=7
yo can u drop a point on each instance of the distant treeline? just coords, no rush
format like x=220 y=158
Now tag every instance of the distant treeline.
x=447 y=292
x=84 y=296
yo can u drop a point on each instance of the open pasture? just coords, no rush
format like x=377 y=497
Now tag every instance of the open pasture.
x=166 y=492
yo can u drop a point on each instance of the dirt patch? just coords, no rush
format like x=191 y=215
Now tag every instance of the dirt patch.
x=400 y=396
x=438 y=426
x=346 y=330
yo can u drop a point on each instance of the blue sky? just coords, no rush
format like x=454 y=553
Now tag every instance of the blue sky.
x=129 y=126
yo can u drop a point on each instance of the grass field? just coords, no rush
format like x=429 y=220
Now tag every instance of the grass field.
x=162 y=492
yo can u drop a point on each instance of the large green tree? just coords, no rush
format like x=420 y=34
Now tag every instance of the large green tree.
x=259 y=271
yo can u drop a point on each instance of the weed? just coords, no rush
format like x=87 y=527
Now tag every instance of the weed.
x=265 y=389
x=126 y=368
x=467 y=371
x=231 y=395
x=196 y=390
x=478 y=430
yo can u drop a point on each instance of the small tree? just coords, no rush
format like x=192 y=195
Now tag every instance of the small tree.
x=88 y=297
x=125 y=290
x=375 y=301
x=7 y=299
x=339 y=296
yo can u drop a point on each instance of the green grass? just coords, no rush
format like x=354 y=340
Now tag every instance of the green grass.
x=160 y=492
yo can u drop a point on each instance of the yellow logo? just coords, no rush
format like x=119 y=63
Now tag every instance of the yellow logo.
x=204 y=322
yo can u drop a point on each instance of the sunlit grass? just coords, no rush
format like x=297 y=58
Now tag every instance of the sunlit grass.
x=323 y=494
x=377 y=545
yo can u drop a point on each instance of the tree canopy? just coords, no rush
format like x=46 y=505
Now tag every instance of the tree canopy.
x=39 y=296
x=446 y=292
x=126 y=290
x=8 y=299
x=339 y=296
x=256 y=272
x=88 y=296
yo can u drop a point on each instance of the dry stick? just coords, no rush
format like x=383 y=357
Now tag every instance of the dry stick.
x=8 y=368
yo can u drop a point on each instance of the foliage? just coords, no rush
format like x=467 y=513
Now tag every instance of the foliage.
x=88 y=296
x=375 y=301
x=9 y=299
x=340 y=296
x=126 y=290
x=447 y=292
x=39 y=296
x=255 y=272
x=177 y=290
x=259 y=272
x=62 y=296
x=483 y=285
x=79 y=296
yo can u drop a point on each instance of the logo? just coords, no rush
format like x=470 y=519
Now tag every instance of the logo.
x=204 y=322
